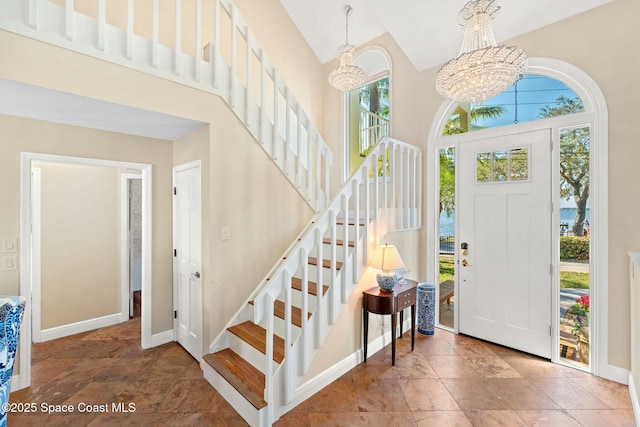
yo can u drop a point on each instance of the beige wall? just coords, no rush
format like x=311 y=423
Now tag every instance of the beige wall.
x=247 y=194
x=80 y=245
x=27 y=135
x=244 y=190
x=596 y=42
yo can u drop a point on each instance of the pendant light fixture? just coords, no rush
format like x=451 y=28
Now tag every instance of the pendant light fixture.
x=482 y=69
x=346 y=76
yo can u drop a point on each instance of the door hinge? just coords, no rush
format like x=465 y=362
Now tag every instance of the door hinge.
x=550 y=268
x=550 y=331
x=175 y=314
x=175 y=252
x=551 y=205
x=175 y=191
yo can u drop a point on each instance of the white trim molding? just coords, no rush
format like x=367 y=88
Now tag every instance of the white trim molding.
x=635 y=398
x=79 y=327
x=27 y=286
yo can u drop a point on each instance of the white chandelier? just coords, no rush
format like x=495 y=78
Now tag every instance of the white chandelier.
x=482 y=69
x=346 y=76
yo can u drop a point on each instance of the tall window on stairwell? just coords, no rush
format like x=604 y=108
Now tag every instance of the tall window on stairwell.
x=368 y=109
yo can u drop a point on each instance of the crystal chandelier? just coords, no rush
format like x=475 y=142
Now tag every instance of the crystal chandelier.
x=346 y=76
x=482 y=69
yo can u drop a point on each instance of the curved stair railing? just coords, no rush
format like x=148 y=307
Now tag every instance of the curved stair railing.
x=215 y=52
x=331 y=253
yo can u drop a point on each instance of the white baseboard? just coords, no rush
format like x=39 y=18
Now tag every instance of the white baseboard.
x=613 y=373
x=635 y=398
x=162 y=338
x=79 y=327
x=15 y=383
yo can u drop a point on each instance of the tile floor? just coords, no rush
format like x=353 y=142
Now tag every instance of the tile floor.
x=447 y=380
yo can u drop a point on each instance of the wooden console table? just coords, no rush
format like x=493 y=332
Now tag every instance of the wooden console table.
x=378 y=302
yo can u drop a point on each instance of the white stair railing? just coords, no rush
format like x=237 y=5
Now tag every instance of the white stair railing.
x=212 y=49
x=389 y=202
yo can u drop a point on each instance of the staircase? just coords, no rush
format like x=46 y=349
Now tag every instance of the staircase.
x=232 y=65
x=258 y=362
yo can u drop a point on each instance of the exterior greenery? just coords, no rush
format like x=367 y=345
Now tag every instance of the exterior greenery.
x=574 y=248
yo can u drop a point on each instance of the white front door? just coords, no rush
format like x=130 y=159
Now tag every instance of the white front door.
x=505 y=223
x=188 y=257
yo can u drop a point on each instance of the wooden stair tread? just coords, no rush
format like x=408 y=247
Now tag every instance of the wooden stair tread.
x=296 y=283
x=326 y=263
x=296 y=312
x=256 y=336
x=339 y=242
x=243 y=376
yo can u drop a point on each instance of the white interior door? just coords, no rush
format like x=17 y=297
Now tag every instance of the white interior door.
x=505 y=220
x=188 y=275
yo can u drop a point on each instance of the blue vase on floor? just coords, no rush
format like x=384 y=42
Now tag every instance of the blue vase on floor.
x=11 y=311
x=426 y=308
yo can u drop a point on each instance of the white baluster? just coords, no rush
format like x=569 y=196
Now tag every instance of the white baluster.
x=304 y=289
x=287 y=131
x=247 y=110
x=346 y=285
x=233 y=79
x=69 y=27
x=177 y=69
x=198 y=54
x=263 y=108
x=288 y=380
x=334 y=268
x=216 y=46
x=155 y=34
x=298 y=145
x=320 y=313
x=129 y=36
x=356 y=206
x=102 y=12
x=32 y=13
x=276 y=116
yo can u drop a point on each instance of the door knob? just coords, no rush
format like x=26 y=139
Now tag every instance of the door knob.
x=196 y=275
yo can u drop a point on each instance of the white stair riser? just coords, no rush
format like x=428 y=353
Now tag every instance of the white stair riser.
x=351 y=232
x=249 y=353
x=279 y=328
x=246 y=410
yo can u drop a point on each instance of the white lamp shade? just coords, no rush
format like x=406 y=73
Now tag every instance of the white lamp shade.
x=387 y=258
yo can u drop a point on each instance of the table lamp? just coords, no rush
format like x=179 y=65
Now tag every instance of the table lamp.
x=387 y=259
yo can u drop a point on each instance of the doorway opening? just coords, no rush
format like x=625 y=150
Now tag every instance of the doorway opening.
x=131 y=195
x=31 y=249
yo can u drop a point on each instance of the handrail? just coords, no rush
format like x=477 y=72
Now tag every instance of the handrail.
x=213 y=50
x=394 y=205
x=372 y=128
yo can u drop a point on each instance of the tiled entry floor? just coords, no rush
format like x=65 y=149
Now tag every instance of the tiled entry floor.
x=447 y=380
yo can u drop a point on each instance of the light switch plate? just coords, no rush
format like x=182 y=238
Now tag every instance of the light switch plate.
x=225 y=233
x=9 y=245
x=9 y=263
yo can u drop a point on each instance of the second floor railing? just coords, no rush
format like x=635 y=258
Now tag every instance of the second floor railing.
x=205 y=44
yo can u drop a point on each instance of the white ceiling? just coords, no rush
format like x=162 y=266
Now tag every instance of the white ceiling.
x=33 y=102
x=426 y=30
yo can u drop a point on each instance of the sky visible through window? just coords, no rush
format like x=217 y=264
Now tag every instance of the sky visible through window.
x=524 y=100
